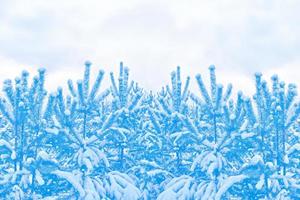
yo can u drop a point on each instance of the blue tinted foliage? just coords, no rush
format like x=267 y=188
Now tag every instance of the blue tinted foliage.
x=122 y=142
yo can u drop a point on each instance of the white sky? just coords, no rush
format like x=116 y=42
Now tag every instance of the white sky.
x=152 y=38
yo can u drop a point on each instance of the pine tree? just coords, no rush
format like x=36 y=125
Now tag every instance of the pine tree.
x=126 y=143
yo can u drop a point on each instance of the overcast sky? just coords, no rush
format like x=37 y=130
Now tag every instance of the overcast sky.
x=151 y=38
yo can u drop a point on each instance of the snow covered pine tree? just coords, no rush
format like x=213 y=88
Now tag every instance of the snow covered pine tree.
x=123 y=142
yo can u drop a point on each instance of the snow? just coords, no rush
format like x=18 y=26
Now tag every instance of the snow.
x=4 y=143
x=39 y=178
x=293 y=148
x=227 y=184
x=71 y=179
x=286 y=159
x=54 y=131
x=260 y=183
x=178 y=188
x=121 y=186
x=247 y=135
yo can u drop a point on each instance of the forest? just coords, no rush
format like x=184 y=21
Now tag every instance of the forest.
x=87 y=142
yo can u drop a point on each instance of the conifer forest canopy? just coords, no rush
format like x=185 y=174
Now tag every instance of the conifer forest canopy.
x=122 y=142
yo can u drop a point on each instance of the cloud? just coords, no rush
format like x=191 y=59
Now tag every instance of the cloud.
x=10 y=69
x=289 y=73
x=153 y=37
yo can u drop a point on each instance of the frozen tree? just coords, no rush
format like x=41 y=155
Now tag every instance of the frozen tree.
x=91 y=130
x=168 y=121
x=76 y=123
x=126 y=97
x=126 y=143
x=273 y=120
x=25 y=115
x=214 y=127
